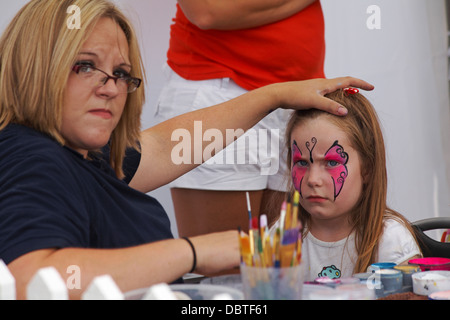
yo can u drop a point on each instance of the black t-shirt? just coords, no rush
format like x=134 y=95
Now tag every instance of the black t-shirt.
x=51 y=197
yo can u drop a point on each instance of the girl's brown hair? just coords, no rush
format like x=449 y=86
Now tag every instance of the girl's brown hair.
x=365 y=135
x=37 y=52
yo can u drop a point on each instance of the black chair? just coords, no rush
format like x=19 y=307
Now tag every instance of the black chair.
x=431 y=247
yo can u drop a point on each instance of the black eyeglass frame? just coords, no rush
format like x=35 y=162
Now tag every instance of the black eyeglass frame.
x=136 y=81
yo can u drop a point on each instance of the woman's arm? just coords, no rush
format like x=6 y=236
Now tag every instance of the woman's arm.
x=239 y=14
x=135 y=267
x=158 y=166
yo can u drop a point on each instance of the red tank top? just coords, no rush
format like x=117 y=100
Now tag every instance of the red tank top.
x=291 y=49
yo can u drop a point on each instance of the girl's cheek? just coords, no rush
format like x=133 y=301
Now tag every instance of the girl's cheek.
x=338 y=176
x=297 y=178
x=340 y=173
x=297 y=172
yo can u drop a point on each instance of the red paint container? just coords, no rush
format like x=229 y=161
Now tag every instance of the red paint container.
x=427 y=264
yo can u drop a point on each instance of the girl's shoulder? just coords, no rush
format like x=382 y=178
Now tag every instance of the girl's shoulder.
x=396 y=230
x=397 y=243
x=392 y=224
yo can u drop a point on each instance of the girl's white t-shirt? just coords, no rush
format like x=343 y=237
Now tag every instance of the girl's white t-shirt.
x=337 y=259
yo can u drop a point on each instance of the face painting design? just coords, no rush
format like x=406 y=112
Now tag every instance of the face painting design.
x=336 y=157
x=336 y=160
x=314 y=141
x=298 y=172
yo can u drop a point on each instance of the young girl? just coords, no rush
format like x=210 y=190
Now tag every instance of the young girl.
x=338 y=166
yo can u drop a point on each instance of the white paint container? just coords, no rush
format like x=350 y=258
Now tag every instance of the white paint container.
x=428 y=282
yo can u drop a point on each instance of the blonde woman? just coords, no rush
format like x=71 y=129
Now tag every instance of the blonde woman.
x=338 y=166
x=74 y=165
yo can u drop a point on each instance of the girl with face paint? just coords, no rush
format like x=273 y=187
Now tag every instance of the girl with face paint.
x=338 y=166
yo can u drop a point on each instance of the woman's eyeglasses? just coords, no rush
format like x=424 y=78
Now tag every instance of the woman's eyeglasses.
x=98 y=78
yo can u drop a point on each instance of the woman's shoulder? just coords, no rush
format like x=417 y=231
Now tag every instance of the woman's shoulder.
x=20 y=139
x=22 y=147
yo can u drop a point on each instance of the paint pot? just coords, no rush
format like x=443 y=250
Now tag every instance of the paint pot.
x=352 y=280
x=428 y=282
x=391 y=279
x=362 y=277
x=407 y=272
x=441 y=295
x=333 y=283
x=372 y=282
x=380 y=265
x=432 y=263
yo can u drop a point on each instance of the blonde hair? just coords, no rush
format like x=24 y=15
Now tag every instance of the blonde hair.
x=37 y=52
x=363 y=130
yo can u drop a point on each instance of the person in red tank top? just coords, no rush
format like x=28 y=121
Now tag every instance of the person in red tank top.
x=219 y=50
x=286 y=50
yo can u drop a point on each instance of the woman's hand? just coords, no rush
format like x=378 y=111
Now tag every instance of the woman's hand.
x=310 y=93
x=216 y=251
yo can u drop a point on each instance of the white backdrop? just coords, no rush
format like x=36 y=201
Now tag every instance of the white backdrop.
x=406 y=60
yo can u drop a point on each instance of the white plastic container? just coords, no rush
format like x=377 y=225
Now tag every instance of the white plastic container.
x=192 y=292
x=427 y=282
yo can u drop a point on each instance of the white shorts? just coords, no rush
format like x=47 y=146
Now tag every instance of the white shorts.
x=255 y=161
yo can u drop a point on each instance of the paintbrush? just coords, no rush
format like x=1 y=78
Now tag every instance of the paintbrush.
x=250 y=231
x=244 y=243
x=294 y=219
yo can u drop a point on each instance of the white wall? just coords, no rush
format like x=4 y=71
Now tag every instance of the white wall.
x=406 y=61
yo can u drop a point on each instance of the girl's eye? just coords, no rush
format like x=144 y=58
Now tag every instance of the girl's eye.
x=333 y=163
x=301 y=163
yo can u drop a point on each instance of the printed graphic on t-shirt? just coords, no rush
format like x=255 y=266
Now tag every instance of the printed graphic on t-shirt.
x=331 y=272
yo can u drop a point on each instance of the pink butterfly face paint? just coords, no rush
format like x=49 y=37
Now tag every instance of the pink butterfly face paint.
x=337 y=162
x=336 y=165
x=298 y=172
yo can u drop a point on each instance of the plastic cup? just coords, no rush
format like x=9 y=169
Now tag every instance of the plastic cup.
x=392 y=280
x=407 y=272
x=272 y=283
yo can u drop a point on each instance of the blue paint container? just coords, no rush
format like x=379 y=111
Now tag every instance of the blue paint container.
x=372 y=281
x=381 y=265
x=391 y=279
